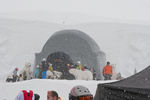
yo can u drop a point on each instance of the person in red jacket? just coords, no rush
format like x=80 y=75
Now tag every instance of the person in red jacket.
x=27 y=95
x=107 y=71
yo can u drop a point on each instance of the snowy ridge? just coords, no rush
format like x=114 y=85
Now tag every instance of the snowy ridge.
x=135 y=11
x=68 y=18
x=126 y=45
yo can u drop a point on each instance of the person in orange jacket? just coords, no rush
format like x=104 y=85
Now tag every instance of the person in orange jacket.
x=107 y=71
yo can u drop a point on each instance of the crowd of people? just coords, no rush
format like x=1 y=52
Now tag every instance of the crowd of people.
x=44 y=68
x=25 y=74
x=76 y=93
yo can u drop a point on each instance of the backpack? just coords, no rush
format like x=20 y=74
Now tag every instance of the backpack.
x=27 y=95
x=36 y=97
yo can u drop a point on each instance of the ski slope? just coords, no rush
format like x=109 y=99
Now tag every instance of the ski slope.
x=10 y=90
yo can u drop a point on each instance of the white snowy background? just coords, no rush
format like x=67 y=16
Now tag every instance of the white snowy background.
x=121 y=28
x=126 y=45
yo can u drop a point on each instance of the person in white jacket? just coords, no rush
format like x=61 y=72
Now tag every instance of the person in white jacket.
x=27 y=71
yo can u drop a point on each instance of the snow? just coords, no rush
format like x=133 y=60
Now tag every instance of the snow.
x=10 y=90
x=120 y=28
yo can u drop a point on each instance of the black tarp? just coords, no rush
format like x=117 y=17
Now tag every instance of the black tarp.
x=136 y=87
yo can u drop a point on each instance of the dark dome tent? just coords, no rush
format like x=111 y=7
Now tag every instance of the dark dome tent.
x=136 y=87
x=75 y=46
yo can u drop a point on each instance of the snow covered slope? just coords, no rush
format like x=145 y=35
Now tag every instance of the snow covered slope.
x=126 y=45
x=10 y=90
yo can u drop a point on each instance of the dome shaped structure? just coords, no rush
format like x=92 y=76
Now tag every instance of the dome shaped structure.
x=75 y=46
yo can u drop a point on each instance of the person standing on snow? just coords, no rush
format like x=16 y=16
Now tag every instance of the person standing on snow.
x=36 y=72
x=80 y=93
x=27 y=72
x=40 y=71
x=79 y=66
x=50 y=67
x=94 y=74
x=44 y=64
x=69 y=67
x=107 y=71
x=20 y=78
x=44 y=68
x=15 y=75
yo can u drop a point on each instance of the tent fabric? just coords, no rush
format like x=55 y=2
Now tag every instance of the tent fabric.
x=136 y=87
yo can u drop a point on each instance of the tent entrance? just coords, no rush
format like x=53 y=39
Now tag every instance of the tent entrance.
x=59 y=60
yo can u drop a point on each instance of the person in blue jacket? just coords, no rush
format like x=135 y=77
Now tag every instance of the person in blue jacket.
x=36 y=73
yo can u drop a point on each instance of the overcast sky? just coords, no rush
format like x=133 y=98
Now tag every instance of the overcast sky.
x=120 y=9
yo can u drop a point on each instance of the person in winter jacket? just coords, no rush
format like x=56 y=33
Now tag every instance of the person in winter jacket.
x=82 y=68
x=69 y=67
x=40 y=71
x=119 y=77
x=27 y=72
x=24 y=75
x=44 y=65
x=107 y=71
x=25 y=95
x=85 y=66
x=94 y=74
x=80 y=93
x=54 y=67
x=15 y=75
x=50 y=67
x=44 y=74
x=52 y=95
x=36 y=72
x=20 y=78
x=44 y=68
x=79 y=65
